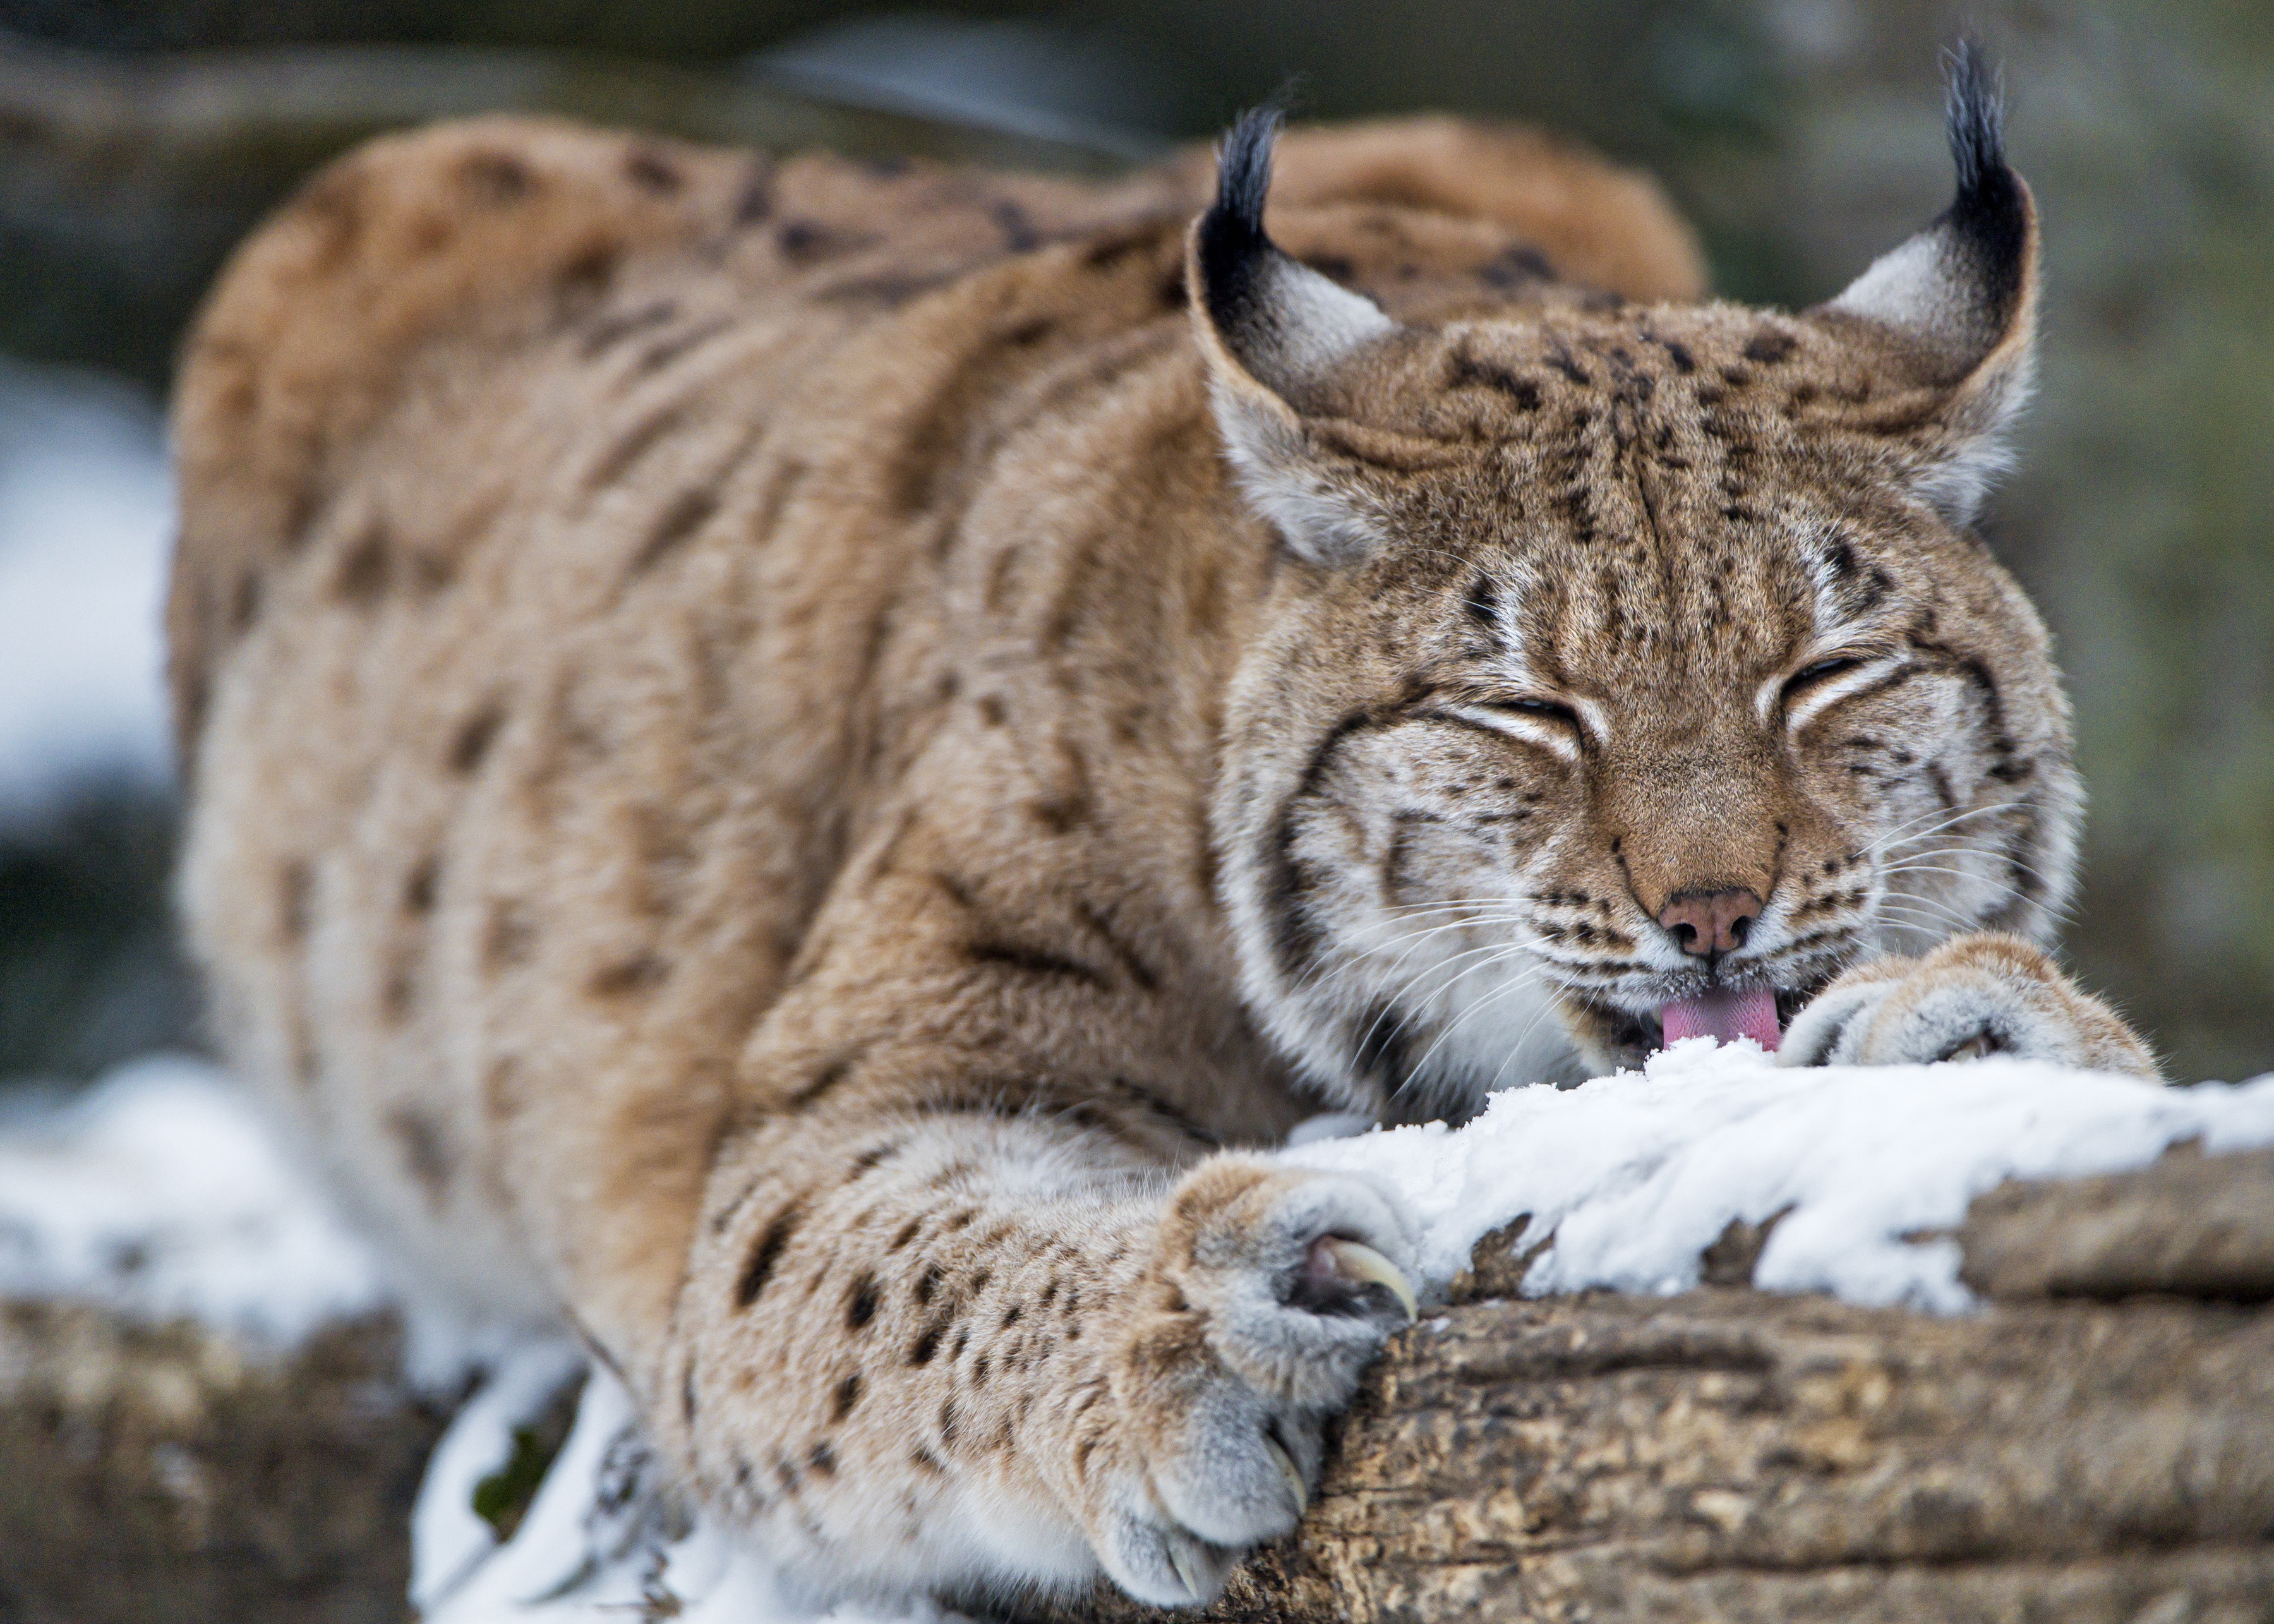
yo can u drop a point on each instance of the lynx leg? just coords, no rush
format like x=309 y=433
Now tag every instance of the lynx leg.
x=984 y=1345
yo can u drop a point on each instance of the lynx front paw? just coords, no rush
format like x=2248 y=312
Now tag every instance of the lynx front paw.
x=1269 y=1294
x=1972 y=997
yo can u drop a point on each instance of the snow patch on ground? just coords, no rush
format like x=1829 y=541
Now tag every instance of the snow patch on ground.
x=595 y=1545
x=162 y=1194
x=87 y=521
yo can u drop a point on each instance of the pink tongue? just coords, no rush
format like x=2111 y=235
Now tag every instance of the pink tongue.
x=1726 y=1016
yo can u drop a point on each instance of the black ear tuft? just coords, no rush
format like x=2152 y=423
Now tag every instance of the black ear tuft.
x=1974 y=109
x=1989 y=219
x=1233 y=248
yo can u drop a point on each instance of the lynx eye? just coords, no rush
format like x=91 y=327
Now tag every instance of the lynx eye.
x=1546 y=709
x=1822 y=671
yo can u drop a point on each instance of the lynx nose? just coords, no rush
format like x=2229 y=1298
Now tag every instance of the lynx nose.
x=1709 y=923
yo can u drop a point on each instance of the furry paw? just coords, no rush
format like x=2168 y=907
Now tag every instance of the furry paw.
x=1974 y=995
x=1269 y=1293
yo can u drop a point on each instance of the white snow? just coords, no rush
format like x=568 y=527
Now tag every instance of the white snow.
x=595 y=1547
x=86 y=523
x=1635 y=1175
x=163 y=1193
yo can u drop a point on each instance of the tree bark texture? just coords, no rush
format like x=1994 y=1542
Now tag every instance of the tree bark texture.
x=2095 y=1447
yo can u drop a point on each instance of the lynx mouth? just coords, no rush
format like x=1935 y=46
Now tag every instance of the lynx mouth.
x=1722 y=1013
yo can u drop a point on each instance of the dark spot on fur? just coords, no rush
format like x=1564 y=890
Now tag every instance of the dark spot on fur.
x=1033 y=961
x=860 y=1306
x=765 y=1254
x=1381 y=1053
x=501 y=1091
x=245 y=603
x=908 y=1233
x=1483 y=602
x=756 y=199
x=634 y=444
x=1464 y=370
x=848 y=1394
x=495 y=179
x=612 y=327
x=365 y=568
x=396 y=993
x=418 y=886
x=991 y=710
x=1677 y=352
x=653 y=173
x=425 y=1153
x=823 y=1460
x=924 y=1460
x=639 y=974
x=1768 y=346
x=472 y=740
x=1515 y=267
x=1134 y=968
x=927 y=1344
x=295 y=885
x=680 y=520
x=583 y=279
x=665 y=350
x=510 y=939
x=929 y=1282
x=1018 y=233
x=802 y=242
x=826 y=1079
x=687 y=1396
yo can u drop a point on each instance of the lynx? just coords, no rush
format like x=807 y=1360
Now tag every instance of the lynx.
x=799 y=766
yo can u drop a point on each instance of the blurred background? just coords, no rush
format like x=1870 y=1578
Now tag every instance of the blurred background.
x=139 y=139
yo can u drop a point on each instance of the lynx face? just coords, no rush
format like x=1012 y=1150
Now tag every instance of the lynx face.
x=1636 y=672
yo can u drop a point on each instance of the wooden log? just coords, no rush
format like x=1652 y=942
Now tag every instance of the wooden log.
x=2094 y=1447
x=170 y=1473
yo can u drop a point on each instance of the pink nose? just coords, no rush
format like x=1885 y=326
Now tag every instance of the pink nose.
x=1708 y=923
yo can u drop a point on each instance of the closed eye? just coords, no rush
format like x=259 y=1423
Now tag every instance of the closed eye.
x=1547 y=708
x=1800 y=681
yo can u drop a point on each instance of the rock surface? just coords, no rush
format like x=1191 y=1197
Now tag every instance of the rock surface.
x=2096 y=1446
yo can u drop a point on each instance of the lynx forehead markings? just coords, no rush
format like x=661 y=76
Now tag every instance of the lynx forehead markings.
x=790 y=759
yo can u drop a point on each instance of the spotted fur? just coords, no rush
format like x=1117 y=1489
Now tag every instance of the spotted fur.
x=793 y=762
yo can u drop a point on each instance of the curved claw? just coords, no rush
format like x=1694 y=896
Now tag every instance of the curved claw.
x=1180 y=1558
x=1295 y=1483
x=1357 y=1260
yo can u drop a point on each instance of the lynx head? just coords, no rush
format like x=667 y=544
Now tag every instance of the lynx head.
x=1633 y=670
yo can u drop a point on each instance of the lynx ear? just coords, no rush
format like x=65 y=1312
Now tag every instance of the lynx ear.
x=1272 y=329
x=1961 y=298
